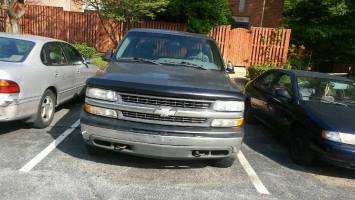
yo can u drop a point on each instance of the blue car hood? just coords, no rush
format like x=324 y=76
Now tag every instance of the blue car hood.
x=331 y=116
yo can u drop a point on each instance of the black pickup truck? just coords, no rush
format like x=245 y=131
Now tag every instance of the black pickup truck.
x=165 y=95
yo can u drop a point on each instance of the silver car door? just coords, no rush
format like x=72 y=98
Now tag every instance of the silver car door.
x=77 y=62
x=63 y=72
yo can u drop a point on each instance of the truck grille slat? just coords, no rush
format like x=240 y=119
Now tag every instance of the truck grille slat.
x=130 y=98
x=154 y=117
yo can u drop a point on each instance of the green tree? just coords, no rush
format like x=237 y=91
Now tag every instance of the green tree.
x=201 y=15
x=132 y=10
x=15 y=11
x=125 y=10
x=325 y=27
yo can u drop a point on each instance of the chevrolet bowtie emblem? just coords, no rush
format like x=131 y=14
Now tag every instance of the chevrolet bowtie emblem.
x=165 y=112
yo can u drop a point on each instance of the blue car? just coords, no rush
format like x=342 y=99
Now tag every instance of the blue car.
x=314 y=111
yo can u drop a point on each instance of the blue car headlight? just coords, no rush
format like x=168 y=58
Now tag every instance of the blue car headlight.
x=340 y=137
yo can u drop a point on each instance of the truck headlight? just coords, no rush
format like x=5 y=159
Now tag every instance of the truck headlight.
x=102 y=94
x=100 y=111
x=227 y=122
x=228 y=106
x=334 y=136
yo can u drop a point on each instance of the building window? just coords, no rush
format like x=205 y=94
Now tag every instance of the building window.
x=241 y=6
x=242 y=22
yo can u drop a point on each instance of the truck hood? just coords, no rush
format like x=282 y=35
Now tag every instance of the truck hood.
x=167 y=80
x=331 y=117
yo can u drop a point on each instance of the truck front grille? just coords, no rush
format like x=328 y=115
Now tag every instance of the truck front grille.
x=153 y=117
x=161 y=101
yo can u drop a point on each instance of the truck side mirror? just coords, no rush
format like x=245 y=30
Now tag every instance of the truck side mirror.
x=230 y=68
x=107 y=56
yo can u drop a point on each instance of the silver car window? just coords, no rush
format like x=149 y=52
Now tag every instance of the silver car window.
x=74 y=57
x=14 y=50
x=52 y=54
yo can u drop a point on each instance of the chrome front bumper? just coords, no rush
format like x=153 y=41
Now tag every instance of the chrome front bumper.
x=160 y=146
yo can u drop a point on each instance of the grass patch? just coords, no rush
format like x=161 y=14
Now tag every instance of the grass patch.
x=91 y=54
x=99 y=62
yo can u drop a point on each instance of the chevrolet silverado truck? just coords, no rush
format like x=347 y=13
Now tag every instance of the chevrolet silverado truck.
x=165 y=95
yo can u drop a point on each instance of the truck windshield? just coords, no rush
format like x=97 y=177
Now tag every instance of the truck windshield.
x=170 y=49
x=326 y=91
x=14 y=50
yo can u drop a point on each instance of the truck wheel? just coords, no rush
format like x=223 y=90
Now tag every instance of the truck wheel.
x=46 y=110
x=248 y=113
x=299 y=149
x=224 y=162
x=93 y=151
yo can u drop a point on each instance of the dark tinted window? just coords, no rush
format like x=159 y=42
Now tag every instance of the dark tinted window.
x=73 y=56
x=14 y=50
x=326 y=90
x=265 y=82
x=171 y=48
x=283 y=81
x=52 y=54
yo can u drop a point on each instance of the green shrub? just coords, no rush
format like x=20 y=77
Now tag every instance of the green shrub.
x=99 y=62
x=256 y=70
x=298 y=57
x=88 y=52
x=91 y=53
x=201 y=15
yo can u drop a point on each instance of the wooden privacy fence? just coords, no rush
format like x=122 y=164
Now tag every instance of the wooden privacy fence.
x=243 y=47
x=258 y=45
x=86 y=27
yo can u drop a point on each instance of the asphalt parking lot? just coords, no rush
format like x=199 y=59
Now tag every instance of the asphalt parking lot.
x=67 y=172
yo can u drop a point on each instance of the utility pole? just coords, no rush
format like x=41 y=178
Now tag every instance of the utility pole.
x=262 y=14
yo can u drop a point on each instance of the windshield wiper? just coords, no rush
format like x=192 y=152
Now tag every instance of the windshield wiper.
x=350 y=102
x=185 y=64
x=334 y=102
x=143 y=60
x=329 y=102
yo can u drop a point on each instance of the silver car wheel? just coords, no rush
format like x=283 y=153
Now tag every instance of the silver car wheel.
x=47 y=108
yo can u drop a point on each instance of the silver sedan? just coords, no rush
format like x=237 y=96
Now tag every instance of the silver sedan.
x=36 y=75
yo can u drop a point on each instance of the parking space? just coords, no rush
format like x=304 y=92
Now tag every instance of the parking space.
x=68 y=172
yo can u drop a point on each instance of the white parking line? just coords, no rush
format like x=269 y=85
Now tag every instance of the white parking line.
x=259 y=186
x=31 y=164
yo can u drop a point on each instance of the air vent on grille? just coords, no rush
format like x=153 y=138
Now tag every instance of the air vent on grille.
x=165 y=102
x=154 y=117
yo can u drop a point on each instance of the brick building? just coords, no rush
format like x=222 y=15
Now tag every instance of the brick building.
x=265 y=13
x=67 y=5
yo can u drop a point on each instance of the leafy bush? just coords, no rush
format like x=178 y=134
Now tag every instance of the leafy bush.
x=83 y=48
x=201 y=15
x=256 y=70
x=99 y=62
x=325 y=27
x=91 y=54
x=298 y=58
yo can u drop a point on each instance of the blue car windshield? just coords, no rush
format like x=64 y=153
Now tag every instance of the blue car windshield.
x=170 y=49
x=327 y=90
x=14 y=50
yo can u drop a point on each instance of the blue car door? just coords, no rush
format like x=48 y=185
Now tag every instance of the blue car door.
x=260 y=93
x=279 y=109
